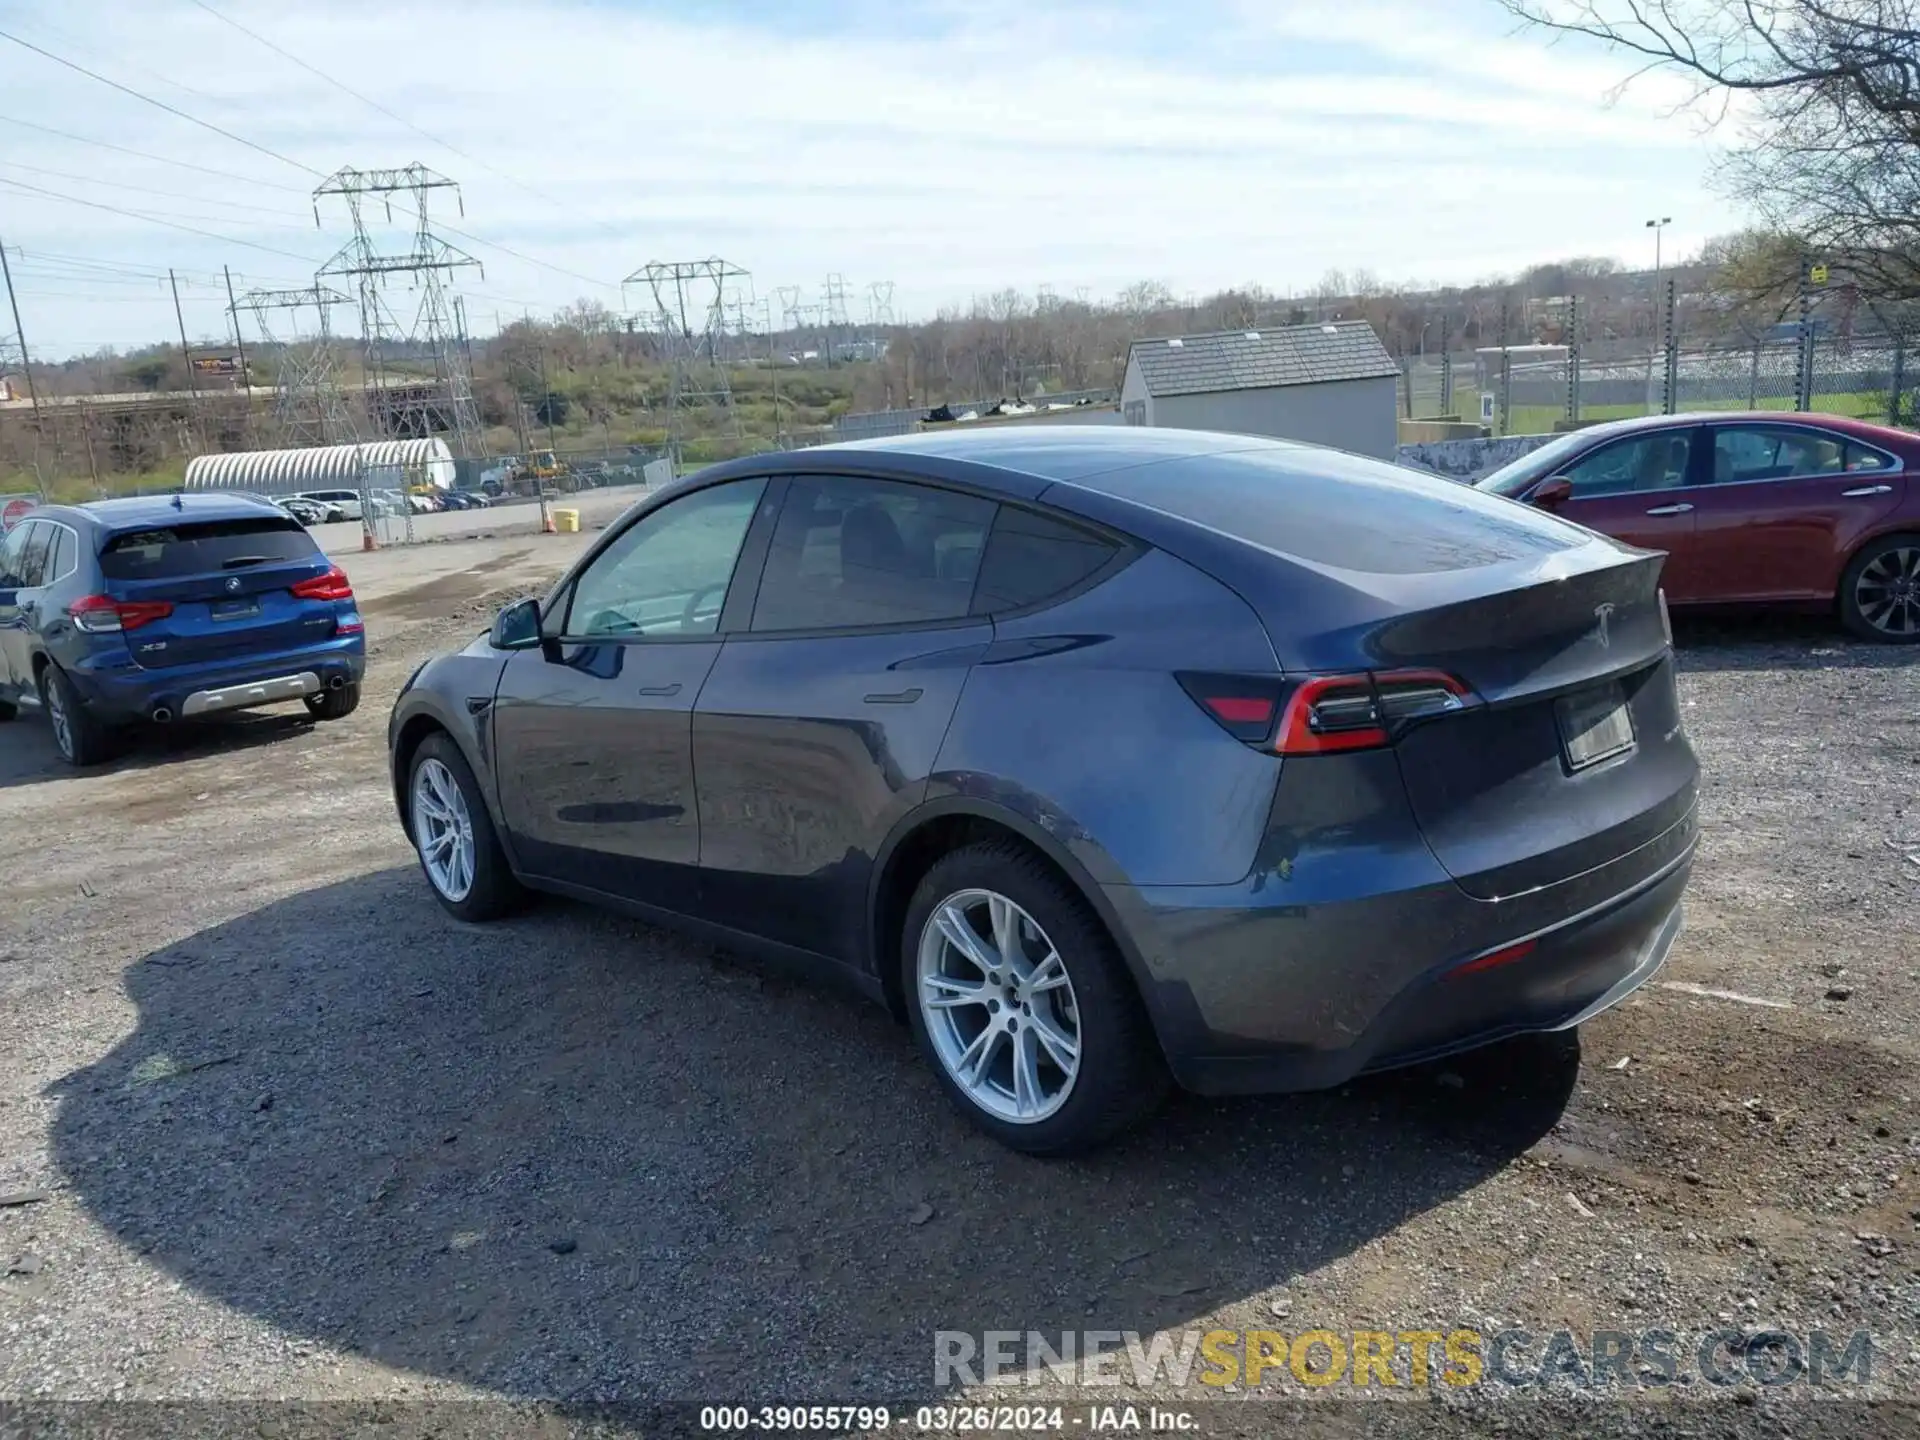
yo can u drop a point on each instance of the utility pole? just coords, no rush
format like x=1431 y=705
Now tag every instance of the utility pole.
x=26 y=366
x=240 y=345
x=186 y=353
x=546 y=402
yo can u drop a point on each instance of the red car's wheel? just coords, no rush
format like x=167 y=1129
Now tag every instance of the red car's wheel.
x=1880 y=593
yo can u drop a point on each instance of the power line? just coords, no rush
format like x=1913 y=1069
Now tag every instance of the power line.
x=155 y=220
x=147 y=155
x=402 y=120
x=145 y=189
x=158 y=104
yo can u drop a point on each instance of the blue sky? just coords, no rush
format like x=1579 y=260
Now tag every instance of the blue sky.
x=953 y=149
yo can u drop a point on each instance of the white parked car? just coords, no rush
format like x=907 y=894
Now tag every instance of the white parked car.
x=341 y=504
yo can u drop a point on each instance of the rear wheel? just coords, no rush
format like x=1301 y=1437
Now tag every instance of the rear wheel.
x=335 y=704
x=78 y=734
x=7 y=711
x=1018 y=997
x=1880 y=593
x=454 y=835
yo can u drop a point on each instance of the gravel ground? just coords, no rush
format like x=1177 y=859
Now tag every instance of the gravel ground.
x=301 y=1135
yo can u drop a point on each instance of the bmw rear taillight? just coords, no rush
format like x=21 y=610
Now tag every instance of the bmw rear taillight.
x=1666 y=621
x=1322 y=714
x=333 y=585
x=103 y=615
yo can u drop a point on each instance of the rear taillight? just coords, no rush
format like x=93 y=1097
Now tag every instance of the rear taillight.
x=1358 y=712
x=331 y=586
x=1320 y=714
x=1666 y=621
x=103 y=615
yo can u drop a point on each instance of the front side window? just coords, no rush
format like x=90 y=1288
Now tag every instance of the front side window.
x=667 y=574
x=1657 y=461
x=1743 y=453
x=856 y=552
x=13 y=549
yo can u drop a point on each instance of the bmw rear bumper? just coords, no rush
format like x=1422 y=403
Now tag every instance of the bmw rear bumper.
x=1267 y=997
x=121 y=692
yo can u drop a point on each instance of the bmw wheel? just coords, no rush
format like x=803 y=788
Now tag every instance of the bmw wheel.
x=454 y=836
x=77 y=732
x=1880 y=593
x=1019 y=999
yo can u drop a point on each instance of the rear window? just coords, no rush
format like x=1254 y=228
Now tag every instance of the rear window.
x=173 y=551
x=1344 y=512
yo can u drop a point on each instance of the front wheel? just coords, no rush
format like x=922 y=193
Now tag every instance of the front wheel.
x=454 y=836
x=1019 y=998
x=1880 y=593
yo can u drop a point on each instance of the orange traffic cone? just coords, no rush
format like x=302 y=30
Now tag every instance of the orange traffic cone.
x=547 y=526
x=367 y=542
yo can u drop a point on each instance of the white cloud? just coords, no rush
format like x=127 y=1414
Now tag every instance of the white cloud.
x=948 y=148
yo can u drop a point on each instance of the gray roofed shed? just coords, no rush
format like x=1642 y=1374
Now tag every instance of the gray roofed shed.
x=1332 y=384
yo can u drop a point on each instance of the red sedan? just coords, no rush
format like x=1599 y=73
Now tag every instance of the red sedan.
x=1807 y=512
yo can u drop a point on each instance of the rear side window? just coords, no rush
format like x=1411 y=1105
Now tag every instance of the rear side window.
x=1860 y=457
x=64 y=553
x=856 y=552
x=35 y=557
x=1031 y=558
x=173 y=551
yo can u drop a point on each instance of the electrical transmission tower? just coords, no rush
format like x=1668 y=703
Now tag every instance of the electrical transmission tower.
x=417 y=373
x=880 y=303
x=833 y=308
x=690 y=308
x=789 y=298
x=309 y=405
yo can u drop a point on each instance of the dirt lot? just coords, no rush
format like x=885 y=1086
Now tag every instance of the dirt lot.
x=302 y=1135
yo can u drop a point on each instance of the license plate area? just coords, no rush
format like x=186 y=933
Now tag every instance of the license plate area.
x=243 y=609
x=1595 y=726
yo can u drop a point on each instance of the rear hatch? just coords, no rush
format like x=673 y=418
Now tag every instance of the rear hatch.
x=222 y=589
x=1519 y=666
x=1570 y=753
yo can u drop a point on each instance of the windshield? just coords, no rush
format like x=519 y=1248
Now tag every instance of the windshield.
x=1516 y=475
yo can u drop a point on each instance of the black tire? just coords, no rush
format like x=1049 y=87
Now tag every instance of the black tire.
x=1121 y=1076
x=8 y=711
x=494 y=891
x=1899 y=553
x=335 y=704
x=78 y=735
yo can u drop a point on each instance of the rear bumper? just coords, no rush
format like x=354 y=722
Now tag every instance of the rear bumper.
x=1264 y=997
x=121 y=692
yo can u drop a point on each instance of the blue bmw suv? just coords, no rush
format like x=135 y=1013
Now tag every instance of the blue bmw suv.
x=161 y=608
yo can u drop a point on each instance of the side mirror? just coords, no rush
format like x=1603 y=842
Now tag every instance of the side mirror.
x=517 y=627
x=1553 y=493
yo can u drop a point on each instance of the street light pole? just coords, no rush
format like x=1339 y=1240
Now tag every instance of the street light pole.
x=1653 y=354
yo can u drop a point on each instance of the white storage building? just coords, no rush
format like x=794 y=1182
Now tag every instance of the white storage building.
x=1321 y=384
x=387 y=464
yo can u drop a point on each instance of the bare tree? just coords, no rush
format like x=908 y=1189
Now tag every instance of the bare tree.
x=1825 y=95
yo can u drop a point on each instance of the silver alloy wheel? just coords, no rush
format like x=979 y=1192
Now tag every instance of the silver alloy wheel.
x=1888 y=591
x=57 y=716
x=443 y=830
x=999 y=1006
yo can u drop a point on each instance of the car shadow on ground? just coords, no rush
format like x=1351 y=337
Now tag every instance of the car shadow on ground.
x=27 y=755
x=566 y=1157
x=1779 y=642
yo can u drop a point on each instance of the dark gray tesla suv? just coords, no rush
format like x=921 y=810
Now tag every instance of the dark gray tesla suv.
x=1099 y=755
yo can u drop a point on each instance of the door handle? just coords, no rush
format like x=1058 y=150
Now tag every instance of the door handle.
x=1669 y=510
x=1867 y=490
x=661 y=690
x=898 y=697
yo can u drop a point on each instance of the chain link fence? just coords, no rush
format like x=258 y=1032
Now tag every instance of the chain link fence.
x=1697 y=361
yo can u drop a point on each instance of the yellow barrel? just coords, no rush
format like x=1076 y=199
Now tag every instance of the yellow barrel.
x=567 y=522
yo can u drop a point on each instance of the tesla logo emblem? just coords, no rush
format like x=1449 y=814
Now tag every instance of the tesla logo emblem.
x=233 y=586
x=1602 y=614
